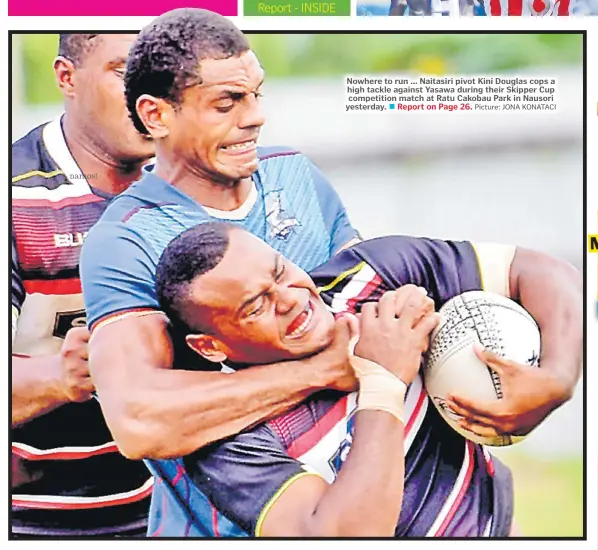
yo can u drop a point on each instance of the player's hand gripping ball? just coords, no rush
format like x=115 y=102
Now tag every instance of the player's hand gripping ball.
x=453 y=367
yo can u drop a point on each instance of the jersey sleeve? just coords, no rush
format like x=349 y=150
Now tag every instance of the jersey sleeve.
x=335 y=215
x=444 y=268
x=117 y=274
x=245 y=475
x=18 y=289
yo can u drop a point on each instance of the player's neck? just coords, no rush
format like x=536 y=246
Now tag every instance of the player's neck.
x=109 y=175
x=202 y=188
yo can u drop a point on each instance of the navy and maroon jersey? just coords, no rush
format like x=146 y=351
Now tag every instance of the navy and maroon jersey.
x=453 y=487
x=68 y=476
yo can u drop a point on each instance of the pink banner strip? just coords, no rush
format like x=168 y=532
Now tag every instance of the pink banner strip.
x=114 y=7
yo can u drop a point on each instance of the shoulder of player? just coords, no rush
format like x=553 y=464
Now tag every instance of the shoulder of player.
x=127 y=204
x=32 y=165
x=279 y=152
x=117 y=228
x=276 y=160
x=405 y=244
x=390 y=259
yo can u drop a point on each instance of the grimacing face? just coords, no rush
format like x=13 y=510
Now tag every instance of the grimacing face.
x=100 y=99
x=260 y=307
x=215 y=129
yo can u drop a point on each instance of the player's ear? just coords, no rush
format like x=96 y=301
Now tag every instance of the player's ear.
x=207 y=346
x=155 y=114
x=65 y=75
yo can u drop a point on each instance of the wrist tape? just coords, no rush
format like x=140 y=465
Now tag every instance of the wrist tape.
x=379 y=389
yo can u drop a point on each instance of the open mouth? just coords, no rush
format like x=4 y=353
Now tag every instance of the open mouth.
x=300 y=324
x=240 y=147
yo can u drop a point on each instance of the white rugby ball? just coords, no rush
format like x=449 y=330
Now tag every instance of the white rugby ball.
x=451 y=366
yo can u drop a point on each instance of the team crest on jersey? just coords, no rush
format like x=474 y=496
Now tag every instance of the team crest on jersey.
x=66 y=320
x=280 y=221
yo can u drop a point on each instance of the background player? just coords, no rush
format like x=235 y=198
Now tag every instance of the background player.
x=240 y=302
x=68 y=477
x=193 y=83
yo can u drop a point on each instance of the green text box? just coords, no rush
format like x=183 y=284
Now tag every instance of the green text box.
x=297 y=8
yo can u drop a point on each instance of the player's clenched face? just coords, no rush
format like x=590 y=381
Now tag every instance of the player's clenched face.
x=96 y=93
x=216 y=128
x=260 y=307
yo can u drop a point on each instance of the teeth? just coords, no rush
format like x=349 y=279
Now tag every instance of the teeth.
x=240 y=146
x=303 y=325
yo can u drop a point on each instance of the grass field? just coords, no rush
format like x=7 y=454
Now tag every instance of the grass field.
x=548 y=495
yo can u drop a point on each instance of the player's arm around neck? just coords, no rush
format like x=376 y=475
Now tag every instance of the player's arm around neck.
x=365 y=499
x=154 y=411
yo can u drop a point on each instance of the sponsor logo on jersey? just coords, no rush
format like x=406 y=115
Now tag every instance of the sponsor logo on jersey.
x=66 y=240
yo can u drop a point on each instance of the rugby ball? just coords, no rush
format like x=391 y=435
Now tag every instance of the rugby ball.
x=451 y=366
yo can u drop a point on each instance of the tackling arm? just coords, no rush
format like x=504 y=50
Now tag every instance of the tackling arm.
x=154 y=411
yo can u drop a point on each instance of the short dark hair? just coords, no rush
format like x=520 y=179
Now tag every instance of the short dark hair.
x=164 y=60
x=76 y=47
x=193 y=253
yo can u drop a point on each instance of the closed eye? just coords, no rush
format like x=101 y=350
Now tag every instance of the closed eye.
x=225 y=108
x=280 y=273
x=257 y=308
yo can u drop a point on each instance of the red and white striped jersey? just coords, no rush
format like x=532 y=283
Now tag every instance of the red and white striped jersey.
x=64 y=462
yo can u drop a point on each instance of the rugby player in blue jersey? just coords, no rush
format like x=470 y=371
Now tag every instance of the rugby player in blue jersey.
x=335 y=465
x=193 y=84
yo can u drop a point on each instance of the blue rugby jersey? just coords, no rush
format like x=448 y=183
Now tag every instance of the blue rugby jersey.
x=292 y=207
x=453 y=487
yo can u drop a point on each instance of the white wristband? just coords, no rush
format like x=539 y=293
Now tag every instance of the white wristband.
x=379 y=389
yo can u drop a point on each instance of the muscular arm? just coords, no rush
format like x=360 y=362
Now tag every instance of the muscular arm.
x=35 y=387
x=154 y=411
x=364 y=500
x=35 y=381
x=551 y=290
